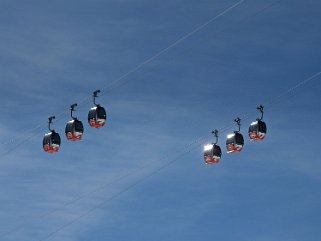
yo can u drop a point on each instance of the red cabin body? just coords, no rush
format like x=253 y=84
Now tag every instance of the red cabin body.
x=211 y=159
x=73 y=136
x=256 y=136
x=51 y=148
x=234 y=148
x=96 y=123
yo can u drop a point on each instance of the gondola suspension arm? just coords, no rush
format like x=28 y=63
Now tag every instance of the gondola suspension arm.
x=95 y=95
x=260 y=108
x=50 y=122
x=215 y=133
x=238 y=122
x=72 y=108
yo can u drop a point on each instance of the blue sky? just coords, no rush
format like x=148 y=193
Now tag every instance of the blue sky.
x=142 y=177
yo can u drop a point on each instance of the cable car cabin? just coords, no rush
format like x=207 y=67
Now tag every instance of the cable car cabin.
x=234 y=142
x=212 y=154
x=257 y=130
x=51 y=142
x=97 y=117
x=74 y=130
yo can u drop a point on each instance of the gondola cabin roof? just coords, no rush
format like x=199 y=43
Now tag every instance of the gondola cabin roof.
x=208 y=147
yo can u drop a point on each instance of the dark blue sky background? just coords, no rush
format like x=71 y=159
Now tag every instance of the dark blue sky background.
x=142 y=177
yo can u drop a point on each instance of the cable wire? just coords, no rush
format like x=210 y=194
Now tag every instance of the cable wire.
x=292 y=89
x=112 y=85
x=197 y=144
x=189 y=147
x=273 y=101
x=116 y=195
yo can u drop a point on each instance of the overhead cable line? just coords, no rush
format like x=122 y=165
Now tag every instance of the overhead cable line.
x=173 y=44
x=204 y=40
x=196 y=144
x=103 y=203
x=188 y=148
x=272 y=101
x=139 y=66
x=291 y=90
x=282 y=95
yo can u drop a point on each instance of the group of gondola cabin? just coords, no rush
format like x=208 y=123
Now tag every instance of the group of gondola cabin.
x=74 y=128
x=235 y=141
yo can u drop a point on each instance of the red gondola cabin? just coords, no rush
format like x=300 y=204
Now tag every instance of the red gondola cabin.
x=234 y=142
x=74 y=130
x=97 y=116
x=212 y=154
x=257 y=130
x=51 y=142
